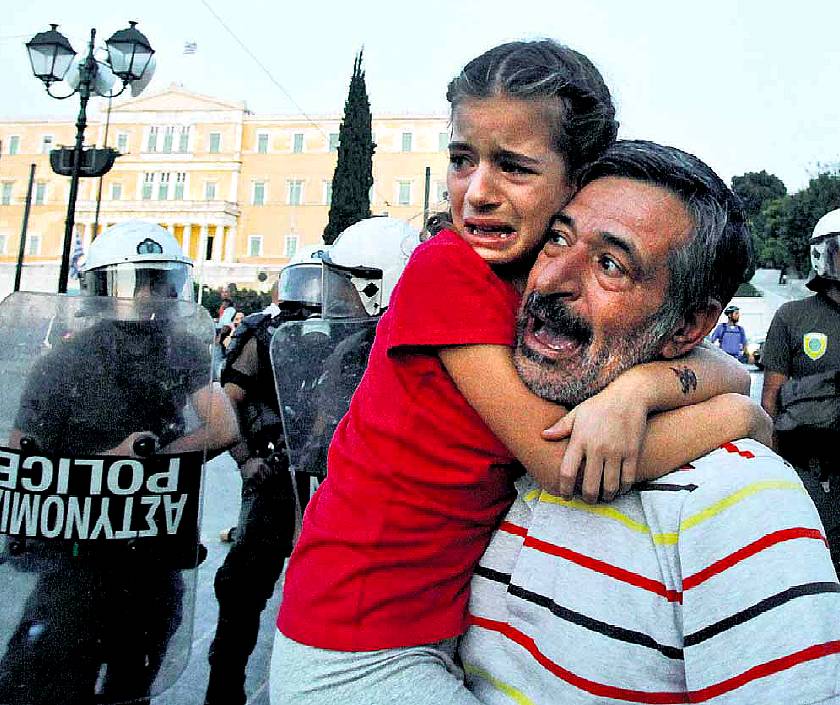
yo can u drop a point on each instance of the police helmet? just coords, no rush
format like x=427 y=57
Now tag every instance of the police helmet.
x=137 y=257
x=825 y=249
x=363 y=266
x=300 y=280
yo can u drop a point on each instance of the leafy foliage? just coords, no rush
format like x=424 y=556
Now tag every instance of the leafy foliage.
x=783 y=224
x=354 y=169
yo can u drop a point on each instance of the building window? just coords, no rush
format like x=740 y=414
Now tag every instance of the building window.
x=180 y=180
x=151 y=143
x=441 y=193
x=258 y=195
x=40 y=193
x=163 y=186
x=443 y=142
x=333 y=141
x=33 y=244
x=148 y=181
x=46 y=144
x=295 y=192
x=404 y=196
x=184 y=139
x=6 y=193
x=290 y=246
x=327 y=193
x=14 y=144
x=262 y=143
x=406 y=141
x=210 y=191
x=255 y=245
x=168 y=137
x=3 y=243
x=297 y=144
x=116 y=192
x=215 y=142
x=122 y=142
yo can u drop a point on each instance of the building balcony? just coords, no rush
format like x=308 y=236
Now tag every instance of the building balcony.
x=160 y=209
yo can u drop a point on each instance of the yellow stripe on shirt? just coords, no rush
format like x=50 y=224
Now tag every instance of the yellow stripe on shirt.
x=517 y=696
x=666 y=538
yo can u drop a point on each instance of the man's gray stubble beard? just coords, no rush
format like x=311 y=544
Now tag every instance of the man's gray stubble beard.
x=642 y=344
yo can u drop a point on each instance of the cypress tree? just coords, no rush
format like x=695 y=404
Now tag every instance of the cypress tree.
x=354 y=170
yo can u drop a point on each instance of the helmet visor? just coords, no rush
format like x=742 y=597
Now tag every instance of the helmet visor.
x=347 y=295
x=130 y=280
x=301 y=283
x=825 y=256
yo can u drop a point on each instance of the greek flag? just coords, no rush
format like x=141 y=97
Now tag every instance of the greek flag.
x=76 y=257
x=190 y=47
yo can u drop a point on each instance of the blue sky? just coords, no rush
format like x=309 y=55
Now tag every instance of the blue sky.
x=745 y=85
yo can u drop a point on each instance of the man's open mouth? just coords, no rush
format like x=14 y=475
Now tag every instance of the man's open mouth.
x=551 y=330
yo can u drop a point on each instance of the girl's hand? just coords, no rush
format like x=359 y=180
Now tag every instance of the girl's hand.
x=607 y=432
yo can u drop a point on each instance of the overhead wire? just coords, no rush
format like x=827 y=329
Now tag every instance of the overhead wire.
x=285 y=92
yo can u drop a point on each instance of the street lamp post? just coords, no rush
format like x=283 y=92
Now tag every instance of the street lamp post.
x=51 y=56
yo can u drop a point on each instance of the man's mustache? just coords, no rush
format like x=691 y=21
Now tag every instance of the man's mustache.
x=551 y=309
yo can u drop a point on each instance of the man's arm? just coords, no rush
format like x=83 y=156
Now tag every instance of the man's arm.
x=219 y=428
x=773 y=382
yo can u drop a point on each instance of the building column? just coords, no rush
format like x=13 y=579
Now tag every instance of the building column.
x=87 y=235
x=202 y=249
x=215 y=250
x=185 y=245
x=230 y=244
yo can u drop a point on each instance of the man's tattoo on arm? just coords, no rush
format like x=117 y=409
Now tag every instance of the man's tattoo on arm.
x=687 y=378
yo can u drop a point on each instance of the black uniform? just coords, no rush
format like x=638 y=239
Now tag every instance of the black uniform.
x=93 y=607
x=246 y=579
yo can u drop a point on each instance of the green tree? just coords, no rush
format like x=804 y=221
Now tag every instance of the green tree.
x=783 y=226
x=354 y=169
x=755 y=188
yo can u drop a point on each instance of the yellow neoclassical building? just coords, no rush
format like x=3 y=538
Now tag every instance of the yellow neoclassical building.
x=242 y=193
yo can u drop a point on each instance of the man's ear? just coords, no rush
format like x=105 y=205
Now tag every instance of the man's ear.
x=695 y=326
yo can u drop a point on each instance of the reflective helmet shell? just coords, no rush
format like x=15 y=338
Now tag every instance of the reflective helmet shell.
x=825 y=247
x=137 y=253
x=300 y=281
x=369 y=256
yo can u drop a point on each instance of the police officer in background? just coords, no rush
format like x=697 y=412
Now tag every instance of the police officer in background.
x=263 y=536
x=134 y=382
x=801 y=375
x=730 y=335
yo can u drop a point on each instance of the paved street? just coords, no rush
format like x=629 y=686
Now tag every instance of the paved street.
x=221 y=505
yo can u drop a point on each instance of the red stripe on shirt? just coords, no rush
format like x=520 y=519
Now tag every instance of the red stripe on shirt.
x=732 y=448
x=607 y=569
x=751 y=549
x=598 y=689
x=763 y=670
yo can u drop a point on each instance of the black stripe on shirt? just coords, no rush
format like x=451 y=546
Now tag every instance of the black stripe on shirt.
x=758 y=608
x=663 y=487
x=609 y=630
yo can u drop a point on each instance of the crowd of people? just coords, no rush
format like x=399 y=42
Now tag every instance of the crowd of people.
x=546 y=487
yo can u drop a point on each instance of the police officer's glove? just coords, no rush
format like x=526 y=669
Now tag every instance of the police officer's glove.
x=138 y=444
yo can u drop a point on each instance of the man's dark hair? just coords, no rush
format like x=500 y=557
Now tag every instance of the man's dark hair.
x=719 y=254
x=580 y=109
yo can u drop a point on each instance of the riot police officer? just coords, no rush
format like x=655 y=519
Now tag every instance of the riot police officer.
x=126 y=378
x=263 y=536
x=802 y=374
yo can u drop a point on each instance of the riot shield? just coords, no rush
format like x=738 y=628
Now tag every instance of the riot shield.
x=100 y=494
x=317 y=366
